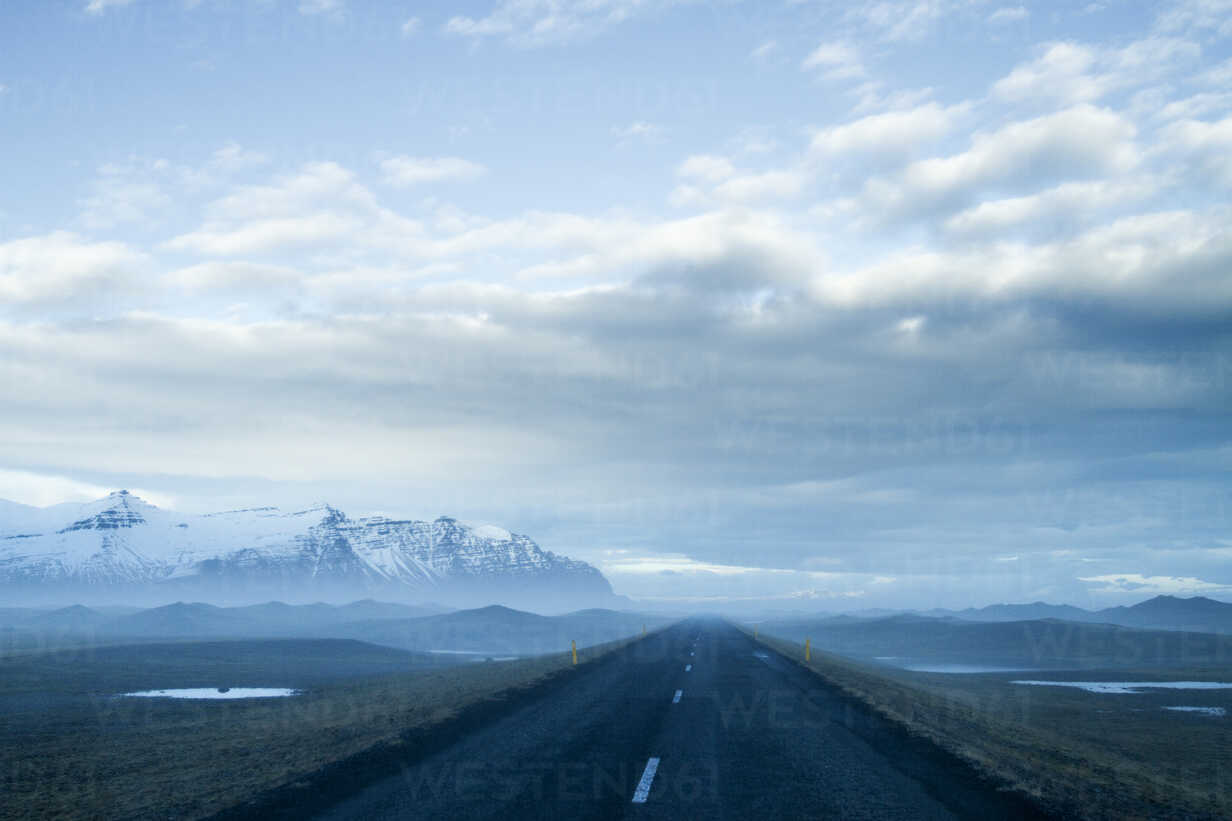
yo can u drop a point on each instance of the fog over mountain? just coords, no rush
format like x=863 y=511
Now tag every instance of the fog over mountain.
x=122 y=549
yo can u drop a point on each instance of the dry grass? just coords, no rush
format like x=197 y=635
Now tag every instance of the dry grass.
x=1079 y=754
x=118 y=758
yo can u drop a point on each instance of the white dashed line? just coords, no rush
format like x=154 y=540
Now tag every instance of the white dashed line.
x=688 y=667
x=643 y=787
x=676 y=698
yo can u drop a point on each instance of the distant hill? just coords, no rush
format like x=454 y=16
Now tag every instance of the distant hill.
x=500 y=630
x=1020 y=612
x=1198 y=614
x=493 y=630
x=1028 y=643
x=1171 y=612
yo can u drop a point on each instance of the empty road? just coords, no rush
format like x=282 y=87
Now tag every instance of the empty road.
x=697 y=721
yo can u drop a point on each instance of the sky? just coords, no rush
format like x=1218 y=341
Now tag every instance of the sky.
x=806 y=304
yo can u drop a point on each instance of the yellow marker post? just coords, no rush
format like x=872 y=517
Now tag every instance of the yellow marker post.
x=807 y=650
x=573 y=646
x=643 y=629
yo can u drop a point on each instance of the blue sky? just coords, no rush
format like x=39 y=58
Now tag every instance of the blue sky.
x=909 y=304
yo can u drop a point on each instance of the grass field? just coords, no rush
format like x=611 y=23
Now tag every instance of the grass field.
x=1083 y=755
x=72 y=748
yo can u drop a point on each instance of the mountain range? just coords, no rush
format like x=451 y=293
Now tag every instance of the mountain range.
x=491 y=630
x=122 y=549
x=1197 y=613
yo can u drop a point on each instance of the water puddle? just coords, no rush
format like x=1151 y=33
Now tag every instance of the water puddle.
x=217 y=693
x=475 y=655
x=1132 y=686
x=960 y=668
x=1217 y=712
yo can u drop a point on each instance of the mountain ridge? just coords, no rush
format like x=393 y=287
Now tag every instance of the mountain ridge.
x=121 y=546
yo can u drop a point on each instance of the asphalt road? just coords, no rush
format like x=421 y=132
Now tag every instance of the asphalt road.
x=751 y=735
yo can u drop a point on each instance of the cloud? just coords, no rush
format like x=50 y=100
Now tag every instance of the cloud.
x=1205 y=146
x=1197 y=16
x=97 y=7
x=907 y=20
x=41 y=490
x=544 y=22
x=835 y=61
x=215 y=276
x=128 y=193
x=1008 y=14
x=410 y=26
x=895 y=132
x=259 y=236
x=233 y=157
x=763 y=51
x=1073 y=73
x=62 y=268
x=321 y=7
x=1139 y=584
x=639 y=130
x=709 y=168
x=1156 y=262
x=1068 y=201
x=407 y=171
x=1081 y=141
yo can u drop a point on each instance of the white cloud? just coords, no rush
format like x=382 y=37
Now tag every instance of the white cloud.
x=129 y=193
x=64 y=268
x=263 y=235
x=1065 y=201
x=907 y=20
x=1165 y=263
x=764 y=50
x=892 y=132
x=640 y=130
x=1205 y=147
x=1059 y=72
x=410 y=26
x=1082 y=141
x=100 y=6
x=320 y=7
x=543 y=22
x=1139 y=584
x=709 y=168
x=42 y=490
x=835 y=61
x=1009 y=14
x=1197 y=16
x=1072 y=72
x=233 y=157
x=747 y=188
x=212 y=276
x=406 y=171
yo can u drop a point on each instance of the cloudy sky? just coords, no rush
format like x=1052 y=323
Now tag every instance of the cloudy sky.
x=922 y=303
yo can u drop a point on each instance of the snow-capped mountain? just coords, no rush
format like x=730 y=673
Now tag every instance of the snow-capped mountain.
x=124 y=546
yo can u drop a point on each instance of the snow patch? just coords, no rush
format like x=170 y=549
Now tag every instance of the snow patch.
x=492 y=532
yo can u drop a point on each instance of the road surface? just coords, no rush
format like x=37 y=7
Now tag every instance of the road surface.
x=697 y=721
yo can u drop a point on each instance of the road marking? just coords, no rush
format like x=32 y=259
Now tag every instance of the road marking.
x=643 y=787
x=688 y=667
x=690 y=652
x=676 y=698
